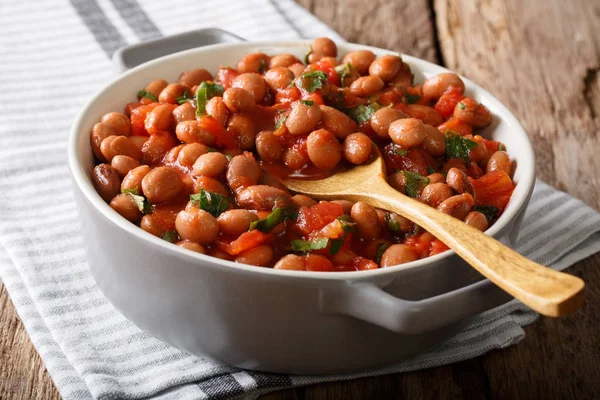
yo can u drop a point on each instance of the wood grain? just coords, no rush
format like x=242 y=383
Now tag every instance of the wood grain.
x=541 y=58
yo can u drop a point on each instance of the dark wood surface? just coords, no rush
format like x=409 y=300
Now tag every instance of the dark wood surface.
x=542 y=59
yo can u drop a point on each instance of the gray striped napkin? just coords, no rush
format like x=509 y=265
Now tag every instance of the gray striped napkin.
x=55 y=54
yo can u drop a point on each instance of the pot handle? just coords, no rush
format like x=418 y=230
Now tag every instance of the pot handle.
x=370 y=303
x=131 y=56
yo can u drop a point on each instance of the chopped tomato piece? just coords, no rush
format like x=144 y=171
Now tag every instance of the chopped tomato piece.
x=437 y=247
x=328 y=67
x=226 y=75
x=246 y=241
x=456 y=125
x=448 y=101
x=363 y=264
x=332 y=230
x=131 y=106
x=316 y=262
x=138 y=119
x=316 y=97
x=413 y=161
x=223 y=138
x=491 y=145
x=317 y=216
x=493 y=189
x=420 y=242
x=287 y=95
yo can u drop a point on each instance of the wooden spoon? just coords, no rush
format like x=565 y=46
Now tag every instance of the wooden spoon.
x=548 y=292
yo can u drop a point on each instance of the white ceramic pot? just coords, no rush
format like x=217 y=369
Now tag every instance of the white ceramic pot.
x=271 y=320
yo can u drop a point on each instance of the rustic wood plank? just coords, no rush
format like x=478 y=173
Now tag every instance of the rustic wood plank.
x=401 y=25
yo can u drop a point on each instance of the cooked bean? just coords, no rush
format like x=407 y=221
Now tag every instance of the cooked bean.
x=217 y=108
x=119 y=145
x=348 y=76
x=254 y=62
x=259 y=197
x=139 y=140
x=242 y=126
x=242 y=171
x=185 y=112
x=473 y=113
x=133 y=179
x=360 y=60
x=252 y=83
x=260 y=256
x=106 y=181
x=118 y=122
x=313 y=57
x=434 y=87
x=458 y=181
x=357 y=148
x=301 y=200
x=210 y=164
x=100 y=132
x=291 y=262
x=337 y=122
x=324 y=46
x=436 y=177
x=343 y=257
x=397 y=180
x=210 y=185
x=192 y=132
x=193 y=246
x=197 y=226
x=367 y=222
x=391 y=221
x=155 y=87
x=425 y=113
x=124 y=164
x=268 y=146
x=270 y=180
x=366 y=86
x=407 y=132
x=380 y=121
x=123 y=204
x=194 y=77
x=404 y=77
x=499 y=161
x=454 y=163
x=159 y=119
x=303 y=118
x=283 y=60
x=152 y=225
x=189 y=153
x=324 y=149
x=161 y=184
x=156 y=147
x=477 y=220
x=172 y=92
x=386 y=67
x=435 y=193
x=398 y=254
x=479 y=152
x=457 y=206
x=434 y=142
x=279 y=78
x=297 y=69
x=171 y=156
x=346 y=205
x=237 y=99
x=235 y=222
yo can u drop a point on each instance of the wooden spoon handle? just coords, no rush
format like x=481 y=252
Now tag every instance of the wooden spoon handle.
x=547 y=291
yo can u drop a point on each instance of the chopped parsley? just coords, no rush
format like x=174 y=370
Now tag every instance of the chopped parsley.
x=170 y=236
x=280 y=122
x=501 y=147
x=398 y=150
x=139 y=201
x=461 y=105
x=185 y=98
x=430 y=170
x=336 y=245
x=206 y=91
x=308 y=53
x=211 y=202
x=211 y=150
x=347 y=223
x=277 y=216
x=391 y=223
x=306 y=102
x=458 y=146
x=490 y=212
x=148 y=95
x=343 y=71
x=380 y=251
x=414 y=183
x=313 y=80
x=309 y=245
x=361 y=114
x=410 y=98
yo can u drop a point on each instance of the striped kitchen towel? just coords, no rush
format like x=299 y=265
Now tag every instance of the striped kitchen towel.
x=55 y=54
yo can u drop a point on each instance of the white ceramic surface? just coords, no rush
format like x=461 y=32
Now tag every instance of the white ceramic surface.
x=281 y=321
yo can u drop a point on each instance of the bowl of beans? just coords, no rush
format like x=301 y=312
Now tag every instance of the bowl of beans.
x=178 y=167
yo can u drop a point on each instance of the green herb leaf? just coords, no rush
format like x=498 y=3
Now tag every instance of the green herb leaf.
x=361 y=114
x=263 y=65
x=280 y=122
x=336 y=245
x=414 y=183
x=343 y=70
x=133 y=191
x=490 y=212
x=348 y=224
x=205 y=92
x=186 y=97
x=170 y=236
x=139 y=201
x=391 y=223
x=265 y=225
x=309 y=245
x=399 y=150
x=380 y=252
x=410 y=98
x=308 y=53
x=212 y=150
x=458 y=146
x=148 y=95
x=501 y=147
x=461 y=105
x=313 y=80
x=306 y=102
x=228 y=157
x=213 y=203
x=430 y=170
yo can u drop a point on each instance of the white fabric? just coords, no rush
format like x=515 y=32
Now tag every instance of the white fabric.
x=54 y=55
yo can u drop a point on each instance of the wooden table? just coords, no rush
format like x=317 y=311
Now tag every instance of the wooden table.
x=542 y=59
